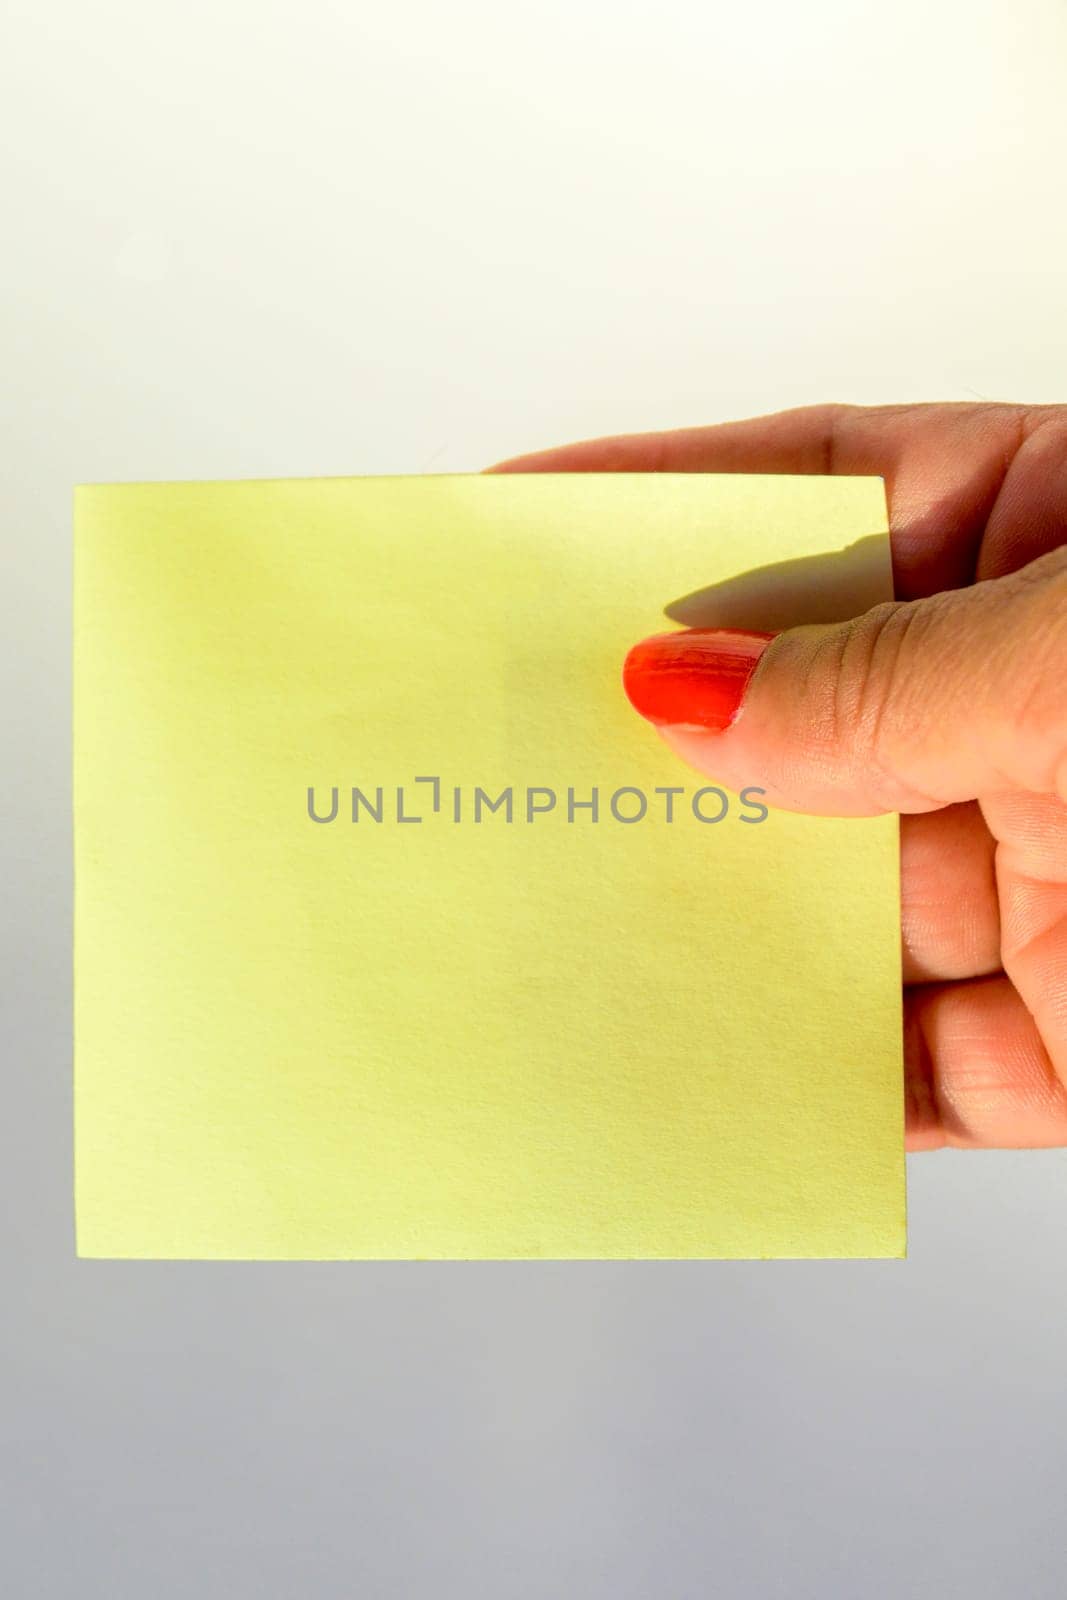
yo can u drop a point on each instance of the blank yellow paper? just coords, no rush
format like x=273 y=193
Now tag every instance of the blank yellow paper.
x=554 y=1037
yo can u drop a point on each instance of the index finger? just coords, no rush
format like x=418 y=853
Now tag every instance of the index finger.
x=944 y=466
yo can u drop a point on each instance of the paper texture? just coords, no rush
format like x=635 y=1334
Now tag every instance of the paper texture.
x=549 y=1036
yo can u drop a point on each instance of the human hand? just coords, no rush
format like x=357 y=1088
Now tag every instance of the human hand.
x=948 y=705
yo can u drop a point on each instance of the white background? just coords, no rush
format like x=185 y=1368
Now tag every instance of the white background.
x=267 y=239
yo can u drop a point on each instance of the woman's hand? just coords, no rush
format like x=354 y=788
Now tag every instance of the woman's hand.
x=948 y=705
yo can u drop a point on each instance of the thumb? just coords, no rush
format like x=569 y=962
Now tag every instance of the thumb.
x=911 y=706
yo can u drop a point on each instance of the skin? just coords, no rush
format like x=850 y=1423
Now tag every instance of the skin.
x=976 y=493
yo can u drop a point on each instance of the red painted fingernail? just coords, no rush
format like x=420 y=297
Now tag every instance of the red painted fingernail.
x=696 y=677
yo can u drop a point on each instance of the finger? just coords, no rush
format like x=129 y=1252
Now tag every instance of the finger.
x=950 y=923
x=976 y=1072
x=1031 y=864
x=907 y=708
x=1030 y=513
x=944 y=467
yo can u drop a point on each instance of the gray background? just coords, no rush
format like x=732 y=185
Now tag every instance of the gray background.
x=259 y=239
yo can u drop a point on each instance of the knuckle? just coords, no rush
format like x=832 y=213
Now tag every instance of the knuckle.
x=878 y=691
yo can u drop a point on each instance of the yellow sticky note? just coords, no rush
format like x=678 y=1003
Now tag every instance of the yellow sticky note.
x=391 y=939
